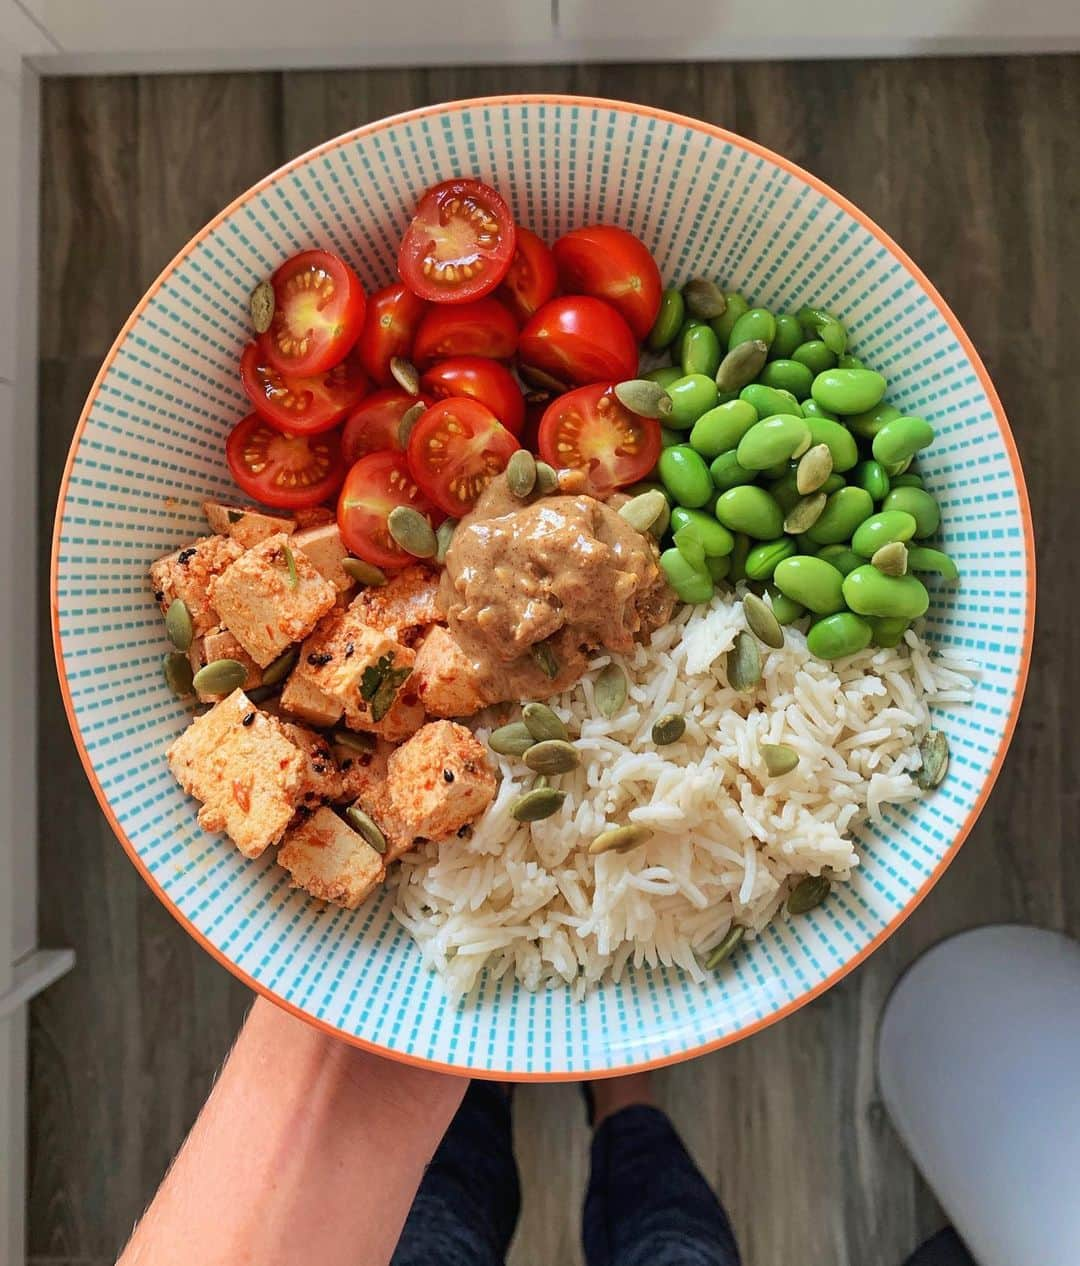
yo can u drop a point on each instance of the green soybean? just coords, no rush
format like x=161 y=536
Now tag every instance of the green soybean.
x=920 y=505
x=847 y=361
x=786 y=491
x=873 y=477
x=843 y=559
x=822 y=323
x=923 y=558
x=715 y=539
x=723 y=324
x=867 y=424
x=815 y=356
x=833 y=484
x=738 y=557
x=868 y=591
x=888 y=631
x=882 y=529
x=665 y=376
x=812 y=582
x=837 y=636
x=848 y=391
x=685 y=475
x=789 y=334
x=755 y=323
x=692 y=584
x=786 y=609
x=700 y=351
x=811 y=409
x=902 y=438
x=691 y=396
x=839 y=441
x=727 y=473
x=787 y=375
x=669 y=437
x=690 y=547
x=896 y=469
x=778 y=470
x=668 y=320
x=773 y=440
x=718 y=568
x=762 y=560
x=751 y=510
x=907 y=480
x=721 y=429
x=768 y=401
x=844 y=511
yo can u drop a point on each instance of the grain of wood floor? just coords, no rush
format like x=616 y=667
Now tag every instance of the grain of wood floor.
x=974 y=166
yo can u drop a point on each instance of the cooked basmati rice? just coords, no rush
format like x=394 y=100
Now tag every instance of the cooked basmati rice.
x=727 y=838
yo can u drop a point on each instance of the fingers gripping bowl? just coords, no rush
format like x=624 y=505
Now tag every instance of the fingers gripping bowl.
x=150 y=450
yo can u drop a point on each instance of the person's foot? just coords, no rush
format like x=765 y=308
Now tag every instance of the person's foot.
x=612 y=1094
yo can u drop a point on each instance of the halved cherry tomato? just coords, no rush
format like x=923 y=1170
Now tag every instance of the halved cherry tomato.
x=590 y=430
x=318 y=314
x=611 y=264
x=374 y=486
x=483 y=328
x=459 y=244
x=389 y=329
x=372 y=427
x=289 y=471
x=578 y=340
x=301 y=406
x=530 y=280
x=479 y=379
x=455 y=450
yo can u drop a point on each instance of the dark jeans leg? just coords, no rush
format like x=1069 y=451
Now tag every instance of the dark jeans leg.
x=944 y=1249
x=467 y=1207
x=647 y=1203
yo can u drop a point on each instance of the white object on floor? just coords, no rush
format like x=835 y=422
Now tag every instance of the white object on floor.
x=979 y=1067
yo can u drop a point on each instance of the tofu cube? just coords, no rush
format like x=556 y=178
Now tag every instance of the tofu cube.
x=262 y=606
x=406 y=604
x=189 y=573
x=363 y=774
x=220 y=644
x=322 y=778
x=245 y=524
x=328 y=859
x=244 y=768
x=447 y=684
x=301 y=698
x=324 y=551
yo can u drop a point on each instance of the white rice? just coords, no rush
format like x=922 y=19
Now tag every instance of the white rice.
x=531 y=901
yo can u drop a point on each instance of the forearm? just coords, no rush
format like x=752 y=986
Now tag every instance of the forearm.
x=307 y=1151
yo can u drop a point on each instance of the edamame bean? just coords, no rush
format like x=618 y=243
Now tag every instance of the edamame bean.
x=774 y=440
x=920 y=505
x=866 y=425
x=786 y=490
x=833 y=484
x=669 y=437
x=815 y=356
x=923 y=558
x=837 y=439
x=907 y=479
x=755 y=323
x=665 y=376
x=692 y=584
x=844 y=511
x=727 y=473
x=690 y=547
x=892 y=469
x=668 y=320
x=843 y=559
x=837 y=636
x=825 y=326
x=715 y=539
x=751 y=510
x=847 y=361
x=721 y=429
x=723 y=324
x=789 y=335
x=888 y=631
x=868 y=591
x=871 y=475
x=847 y=391
x=882 y=529
x=738 y=558
x=769 y=401
x=762 y=560
x=811 y=409
x=812 y=582
x=718 y=568
x=700 y=352
x=786 y=609
x=778 y=470
x=691 y=396
x=685 y=476
x=902 y=438
x=787 y=375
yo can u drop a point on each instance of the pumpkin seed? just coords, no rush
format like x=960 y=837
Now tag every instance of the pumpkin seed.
x=744 y=664
x=704 y=298
x=742 y=365
x=542 y=781
x=278 y=669
x=542 y=379
x=354 y=740
x=815 y=466
x=261 y=303
x=610 y=690
x=542 y=723
x=521 y=473
x=537 y=804
x=411 y=531
x=645 y=398
x=545 y=660
x=779 y=758
x=668 y=729
x=220 y=677
x=290 y=566
x=366 y=827
x=552 y=756
x=405 y=374
x=642 y=511
x=178 y=626
x=620 y=837
x=177 y=670
x=511 y=740
x=808 y=893
x=444 y=534
x=934 y=750
x=408 y=420
x=365 y=573
x=725 y=947
x=546 y=478
x=805 y=513
x=761 y=621
x=891 y=559
x=657 y=529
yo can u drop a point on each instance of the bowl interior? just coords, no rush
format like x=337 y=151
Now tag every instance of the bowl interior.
x=150 y=450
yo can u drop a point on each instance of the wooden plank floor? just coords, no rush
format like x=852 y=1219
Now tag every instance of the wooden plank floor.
x=974 y=166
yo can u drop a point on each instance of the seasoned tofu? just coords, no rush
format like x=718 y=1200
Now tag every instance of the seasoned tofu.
x=303 y=699
x=246 y=524
x=220 y=644
x=249 y=775
x=363 y=774
x=322 y=777
x=263 y=605
x=406 y=604
x=325 y=552
x=447 y=683
x=190 y=573
x=328 y=859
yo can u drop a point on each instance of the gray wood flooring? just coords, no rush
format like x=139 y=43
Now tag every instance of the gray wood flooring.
x=974 y=166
